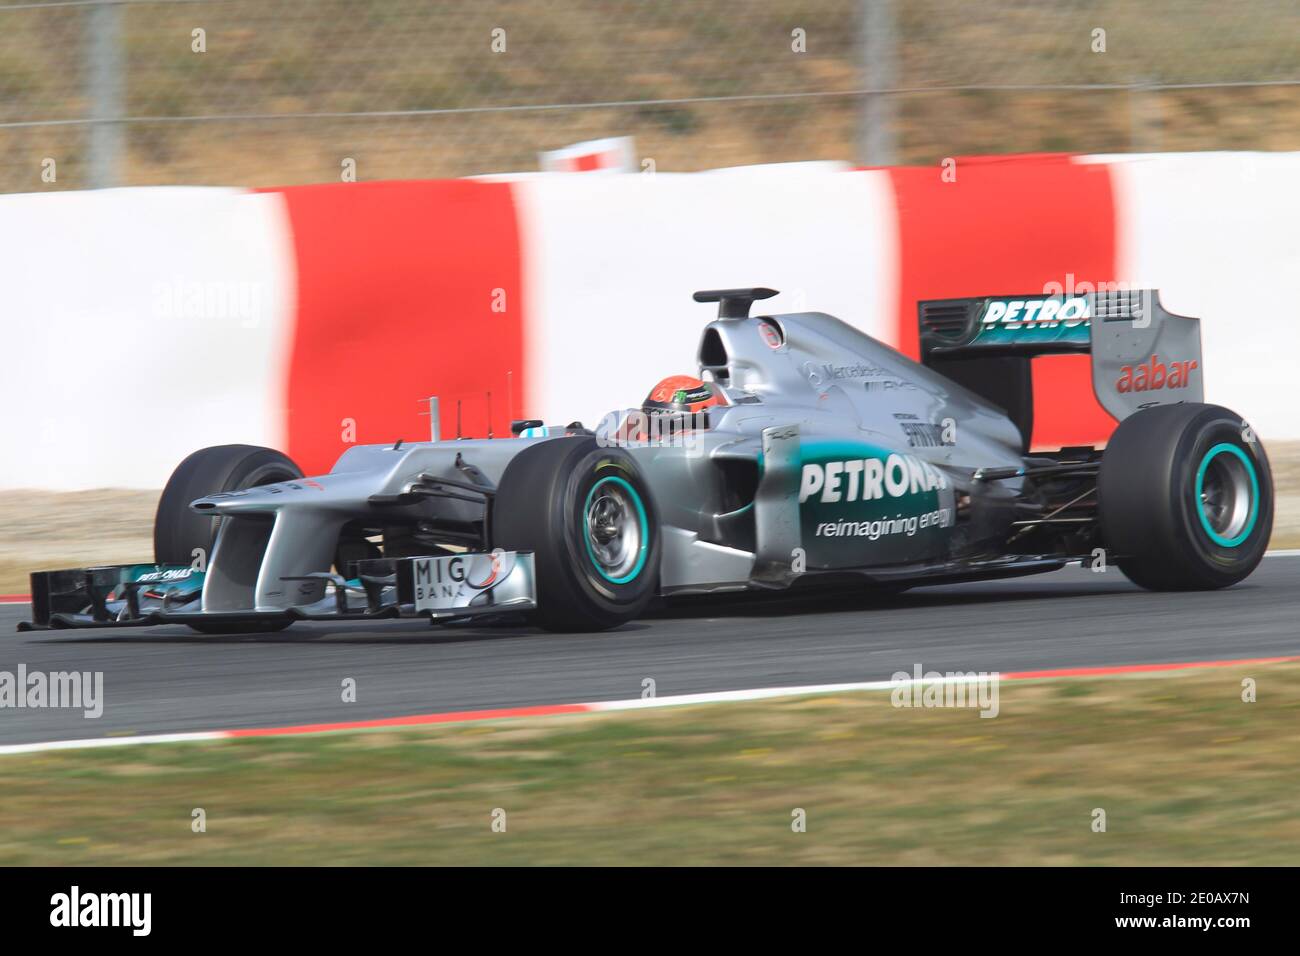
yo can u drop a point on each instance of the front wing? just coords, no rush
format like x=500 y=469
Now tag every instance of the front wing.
x=441 y=588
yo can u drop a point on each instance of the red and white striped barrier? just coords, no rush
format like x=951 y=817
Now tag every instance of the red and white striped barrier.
x=140 y=324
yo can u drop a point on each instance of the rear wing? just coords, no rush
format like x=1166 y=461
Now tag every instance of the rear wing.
x=1142 y=354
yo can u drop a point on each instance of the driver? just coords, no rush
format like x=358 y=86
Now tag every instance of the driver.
x=676 y=404
x=681 y=396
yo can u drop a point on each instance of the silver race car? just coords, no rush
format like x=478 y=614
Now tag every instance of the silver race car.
x=804 y=453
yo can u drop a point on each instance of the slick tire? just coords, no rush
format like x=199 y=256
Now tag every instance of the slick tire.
x=1185 y=497
x=178 y=531
x=587 y=515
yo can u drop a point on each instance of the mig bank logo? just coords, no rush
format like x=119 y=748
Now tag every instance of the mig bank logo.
x=454 y=581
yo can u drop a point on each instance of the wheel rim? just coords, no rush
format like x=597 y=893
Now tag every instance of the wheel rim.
x=615 y=530
x=1227 y=495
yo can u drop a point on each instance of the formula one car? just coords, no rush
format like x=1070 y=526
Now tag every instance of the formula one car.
x=805 y=453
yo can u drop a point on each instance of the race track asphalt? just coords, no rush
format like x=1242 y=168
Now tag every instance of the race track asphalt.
x=168 y=679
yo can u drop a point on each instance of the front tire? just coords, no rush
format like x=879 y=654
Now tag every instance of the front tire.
x=587 y=515
x=177 y=531
x=1185 y=497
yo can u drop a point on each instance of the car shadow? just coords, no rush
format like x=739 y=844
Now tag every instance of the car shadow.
x=810 y=603
x=813 y=603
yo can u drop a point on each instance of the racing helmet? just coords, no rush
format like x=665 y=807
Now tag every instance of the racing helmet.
x=680 y=396
x=676 y=405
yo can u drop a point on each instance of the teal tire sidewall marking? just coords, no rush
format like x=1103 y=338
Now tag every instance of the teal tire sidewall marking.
x=1220 y=540
x=644 y=546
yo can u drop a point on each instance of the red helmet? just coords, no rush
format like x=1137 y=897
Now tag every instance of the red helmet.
x=682 y=394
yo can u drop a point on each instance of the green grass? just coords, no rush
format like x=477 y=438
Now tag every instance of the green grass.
x=1186 y=772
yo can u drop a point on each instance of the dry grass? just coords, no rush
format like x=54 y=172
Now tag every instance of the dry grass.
x=41 y=530
x=1186 y=772
x=343 y=56
x=1284 y=457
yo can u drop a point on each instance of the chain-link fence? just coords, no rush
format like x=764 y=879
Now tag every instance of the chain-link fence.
x=268 y=92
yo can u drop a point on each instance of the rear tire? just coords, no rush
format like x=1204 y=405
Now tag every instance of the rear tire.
x=587 y=515
x=177 y=531
x=1185 y=498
